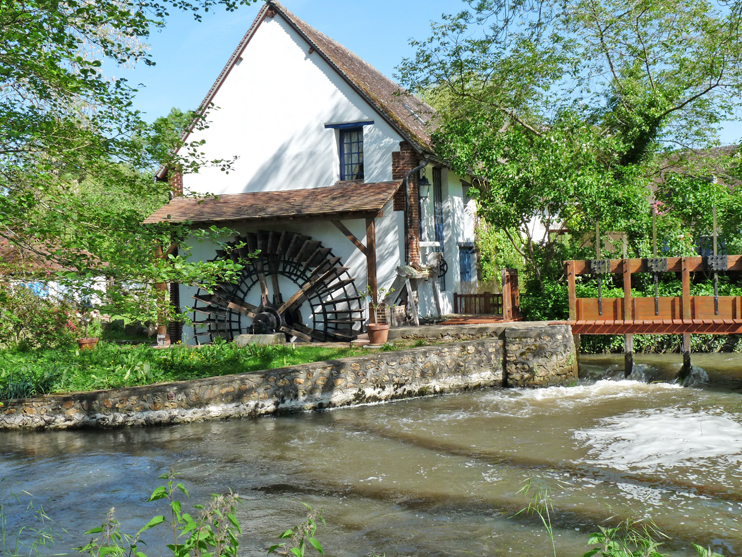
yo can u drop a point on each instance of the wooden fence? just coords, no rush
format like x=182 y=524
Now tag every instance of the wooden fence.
x=488 y=303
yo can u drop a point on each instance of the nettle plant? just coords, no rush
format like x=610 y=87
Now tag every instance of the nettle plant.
x=213 y=532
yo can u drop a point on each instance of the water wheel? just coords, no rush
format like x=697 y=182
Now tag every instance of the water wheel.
x=290 y=284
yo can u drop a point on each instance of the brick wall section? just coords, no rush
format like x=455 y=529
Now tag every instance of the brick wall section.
x=531 y=356
x=176 y=182
x=402 y=162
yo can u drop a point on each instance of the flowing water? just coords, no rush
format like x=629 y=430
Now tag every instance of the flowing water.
x=431 y=476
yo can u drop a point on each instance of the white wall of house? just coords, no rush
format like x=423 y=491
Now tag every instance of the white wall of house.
x=387 y=250
x=272 y=111
x=458 y=230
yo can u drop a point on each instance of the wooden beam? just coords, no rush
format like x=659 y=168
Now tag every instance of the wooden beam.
x=626 y=290
x=686 y=289
x=370 y=251
x=569 y=269
x=507 y=310
x=348 y=234
x=411 y=303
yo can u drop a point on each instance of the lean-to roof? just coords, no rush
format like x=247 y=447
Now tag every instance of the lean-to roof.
x=341 y=200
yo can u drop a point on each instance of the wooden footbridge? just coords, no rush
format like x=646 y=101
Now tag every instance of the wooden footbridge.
x=682 y=315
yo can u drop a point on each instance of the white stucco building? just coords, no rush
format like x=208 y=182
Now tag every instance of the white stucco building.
x=324 y=185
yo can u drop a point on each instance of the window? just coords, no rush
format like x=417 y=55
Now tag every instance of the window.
x=467 y=259
x=351 y=154
x=438 y=218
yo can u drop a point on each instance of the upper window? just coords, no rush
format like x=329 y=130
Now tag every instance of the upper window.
x=351 y=154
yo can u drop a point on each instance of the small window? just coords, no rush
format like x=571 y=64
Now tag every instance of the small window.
x=467 y=261
x=351 y=154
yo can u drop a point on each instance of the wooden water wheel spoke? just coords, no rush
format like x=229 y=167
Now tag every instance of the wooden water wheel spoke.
x=271 y=260
x=261 y=278
x=310 y=287
x=241 y=306
x=296 y=333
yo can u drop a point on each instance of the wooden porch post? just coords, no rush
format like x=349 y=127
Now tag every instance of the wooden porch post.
x=371 y=258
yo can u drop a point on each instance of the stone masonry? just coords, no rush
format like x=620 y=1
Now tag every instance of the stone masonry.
x=520 y=356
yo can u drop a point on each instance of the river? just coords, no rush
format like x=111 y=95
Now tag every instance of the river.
x=429 y=476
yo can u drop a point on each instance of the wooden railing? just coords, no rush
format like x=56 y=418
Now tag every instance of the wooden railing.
x=660 y=315
x=506 y=304
x=486 y=303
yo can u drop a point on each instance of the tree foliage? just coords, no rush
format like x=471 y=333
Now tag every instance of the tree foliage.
x=567 y=111
x=76 y=160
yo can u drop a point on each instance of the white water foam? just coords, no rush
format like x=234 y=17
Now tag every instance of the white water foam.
x=661 y=439
x=600 y=389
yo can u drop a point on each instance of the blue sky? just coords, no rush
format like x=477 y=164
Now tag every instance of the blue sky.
x=189 y=55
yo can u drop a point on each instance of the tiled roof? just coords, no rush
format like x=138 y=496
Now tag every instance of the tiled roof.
x=40 y=260
x=14 y=259
x=344 y=198
x=405 y=112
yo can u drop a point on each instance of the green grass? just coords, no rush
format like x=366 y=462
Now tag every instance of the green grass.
x=32 y=373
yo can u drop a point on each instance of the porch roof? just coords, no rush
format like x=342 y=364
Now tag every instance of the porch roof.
x=341 y=200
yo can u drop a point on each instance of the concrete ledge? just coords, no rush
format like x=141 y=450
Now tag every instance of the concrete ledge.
x=542 y=356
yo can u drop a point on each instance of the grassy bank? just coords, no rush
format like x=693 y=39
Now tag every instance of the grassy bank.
x=109 y=366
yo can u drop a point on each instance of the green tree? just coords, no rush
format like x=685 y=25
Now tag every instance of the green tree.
x=565 y=111
x=76 y=159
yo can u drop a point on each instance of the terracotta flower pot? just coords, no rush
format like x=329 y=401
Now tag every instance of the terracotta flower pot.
x=163 y=339
x=87 y=343
x=377 y=333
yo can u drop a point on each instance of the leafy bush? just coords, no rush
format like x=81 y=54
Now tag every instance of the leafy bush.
x=29 y=321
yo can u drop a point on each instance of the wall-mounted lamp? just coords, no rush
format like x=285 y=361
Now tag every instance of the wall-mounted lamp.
x=423 y=187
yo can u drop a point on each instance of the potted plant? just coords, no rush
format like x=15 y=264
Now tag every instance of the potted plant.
x=378 y=327
x=85 y=306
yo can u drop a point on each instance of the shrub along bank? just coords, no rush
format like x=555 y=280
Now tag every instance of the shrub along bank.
x=31 y=373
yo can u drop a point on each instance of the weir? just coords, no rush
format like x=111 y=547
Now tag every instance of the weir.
x=682 y=315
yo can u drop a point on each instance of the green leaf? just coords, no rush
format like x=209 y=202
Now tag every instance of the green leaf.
x=152 y=523
x=95 y=530
x=157 y=494
x=316 y=545
x=287 y=534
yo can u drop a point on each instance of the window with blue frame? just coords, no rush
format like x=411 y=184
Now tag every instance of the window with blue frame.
x=467 y=262
x=351 y=154
x=438 y=218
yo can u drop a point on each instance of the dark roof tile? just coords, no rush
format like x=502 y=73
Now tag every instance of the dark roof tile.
x=343 y=198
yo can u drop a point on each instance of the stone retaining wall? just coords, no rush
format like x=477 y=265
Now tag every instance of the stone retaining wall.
x=530 y=356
